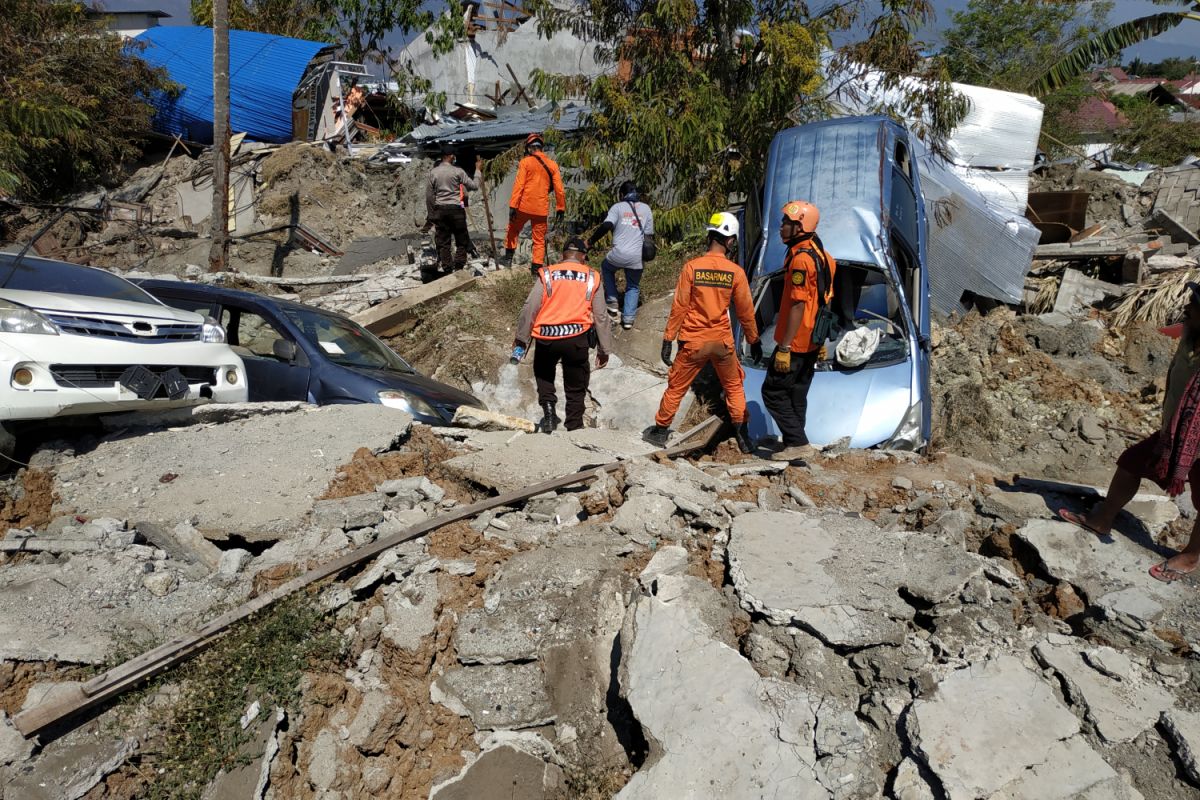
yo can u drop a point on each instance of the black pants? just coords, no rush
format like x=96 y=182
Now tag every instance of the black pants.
x=573 y=353
x=786 y=396
x=451 y=221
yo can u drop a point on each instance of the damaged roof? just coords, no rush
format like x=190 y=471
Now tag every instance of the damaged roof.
x=567 y=117
x=263 y=73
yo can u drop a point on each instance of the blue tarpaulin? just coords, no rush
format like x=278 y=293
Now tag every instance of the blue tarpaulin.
x=264 y=71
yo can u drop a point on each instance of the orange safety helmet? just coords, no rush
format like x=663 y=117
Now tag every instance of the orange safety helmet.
x=534 y=138
x=803 y=212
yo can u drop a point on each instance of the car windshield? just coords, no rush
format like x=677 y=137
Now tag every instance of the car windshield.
x=345 y=342
x=43 y=275
x=863 y=298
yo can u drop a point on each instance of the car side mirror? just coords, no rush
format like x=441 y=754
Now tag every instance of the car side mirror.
x=284 y=350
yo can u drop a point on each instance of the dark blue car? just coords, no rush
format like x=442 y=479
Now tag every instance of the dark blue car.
x=297 y=352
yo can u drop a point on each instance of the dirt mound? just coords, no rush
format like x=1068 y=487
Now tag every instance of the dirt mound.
x=1059 y=402
x=339 y=198
x=1108 y=192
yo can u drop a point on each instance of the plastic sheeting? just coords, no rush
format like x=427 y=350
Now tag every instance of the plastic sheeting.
x=264 y=71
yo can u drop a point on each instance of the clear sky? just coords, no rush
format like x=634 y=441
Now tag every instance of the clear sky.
x=1183 y=41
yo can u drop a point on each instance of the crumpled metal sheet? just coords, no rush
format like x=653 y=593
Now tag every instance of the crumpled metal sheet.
x=971 y=246
x=1000 y=130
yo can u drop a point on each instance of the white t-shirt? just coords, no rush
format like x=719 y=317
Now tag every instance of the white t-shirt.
x=626 y=252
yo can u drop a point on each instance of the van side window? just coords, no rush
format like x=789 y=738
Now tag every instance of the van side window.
x=901 y=160
x=903 y=207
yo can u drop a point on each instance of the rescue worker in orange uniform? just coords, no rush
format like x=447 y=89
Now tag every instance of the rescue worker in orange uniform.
x=808 y=289
x=700 y=320
x=537 y=176
x=564 y=314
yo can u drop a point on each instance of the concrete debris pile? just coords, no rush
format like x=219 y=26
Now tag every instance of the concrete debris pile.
x=869 y=624
x=1113 y=238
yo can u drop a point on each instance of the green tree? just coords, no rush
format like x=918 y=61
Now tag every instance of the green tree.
x=1150 y=135
x=1010 y=46
x=695 y=97
x=1108 y=44
x=359 y=25
x=72 y=99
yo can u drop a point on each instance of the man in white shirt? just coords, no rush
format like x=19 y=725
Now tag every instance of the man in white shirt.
x=632 y=224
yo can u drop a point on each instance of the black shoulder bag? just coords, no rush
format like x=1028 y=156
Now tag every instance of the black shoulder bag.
x=649 y=248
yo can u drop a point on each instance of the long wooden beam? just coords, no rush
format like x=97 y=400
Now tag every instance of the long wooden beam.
x=130 y=674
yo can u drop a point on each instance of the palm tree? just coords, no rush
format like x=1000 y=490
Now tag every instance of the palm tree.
x=1108 y=44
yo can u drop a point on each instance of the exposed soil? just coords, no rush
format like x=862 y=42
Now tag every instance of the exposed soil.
x=29 y=505
x=17 y=677
x=423 y=454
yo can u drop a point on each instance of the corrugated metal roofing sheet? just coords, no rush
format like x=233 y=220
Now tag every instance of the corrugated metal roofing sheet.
x=569 y=117
x=263 y=73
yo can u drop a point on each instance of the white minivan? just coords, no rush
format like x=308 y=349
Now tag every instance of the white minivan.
x=80 y=340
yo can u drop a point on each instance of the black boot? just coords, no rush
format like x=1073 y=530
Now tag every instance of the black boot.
x=534 y=269
x=550 y=419
x=656 y=435
x=507 y=259
x=741 y=433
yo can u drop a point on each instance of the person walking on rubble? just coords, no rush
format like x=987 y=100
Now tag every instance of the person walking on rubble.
x=537 y=176
x=700 y=320
x=1169 y=456
x=446 y=209
x=564 y=314
x=801 y=327
x=632 y=224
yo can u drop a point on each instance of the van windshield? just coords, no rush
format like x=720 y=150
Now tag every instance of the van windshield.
x=863 y=298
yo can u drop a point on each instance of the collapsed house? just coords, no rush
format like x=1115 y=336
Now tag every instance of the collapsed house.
x=280 y=88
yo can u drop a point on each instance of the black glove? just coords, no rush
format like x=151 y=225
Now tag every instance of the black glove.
x=512 y=214
x=756 y=353
x=666 y=352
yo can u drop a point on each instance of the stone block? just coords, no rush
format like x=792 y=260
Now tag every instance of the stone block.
x=502 y=696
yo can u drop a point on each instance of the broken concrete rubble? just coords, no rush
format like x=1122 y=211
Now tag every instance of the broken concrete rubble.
x=1029 y=747
x=808 y=570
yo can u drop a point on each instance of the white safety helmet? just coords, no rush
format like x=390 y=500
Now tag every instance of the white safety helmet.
x=724 y=223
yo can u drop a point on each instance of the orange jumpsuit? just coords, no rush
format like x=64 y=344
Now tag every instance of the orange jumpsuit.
x=537 y=175
x=700 y=321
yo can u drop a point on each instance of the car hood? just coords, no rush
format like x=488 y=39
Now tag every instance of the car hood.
x=867 y=405
x=58 y=303
x=427 y=389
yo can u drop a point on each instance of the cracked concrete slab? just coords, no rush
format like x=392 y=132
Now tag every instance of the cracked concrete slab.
x=495 y=696
x=996 y=729
x=1121 y=708
x=254 y=477
x=716 y=727
x=527 y=459
x=1182 y=730
x=1095 y=566
x=839 y=576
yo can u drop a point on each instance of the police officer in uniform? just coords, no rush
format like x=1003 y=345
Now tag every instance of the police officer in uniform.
x=564 y=314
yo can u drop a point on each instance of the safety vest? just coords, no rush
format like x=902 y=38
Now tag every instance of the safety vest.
x=567 y=291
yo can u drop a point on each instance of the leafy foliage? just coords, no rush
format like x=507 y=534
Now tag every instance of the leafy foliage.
x=1011 y=45
x=1149 y=134
x=1170 y=69
x=695 y=99
x=359 y=25
x=72 y=102
x=1108 y=44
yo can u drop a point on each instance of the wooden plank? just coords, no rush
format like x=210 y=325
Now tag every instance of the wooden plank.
x=517 y=83
x=384 y=318
x=125 y=676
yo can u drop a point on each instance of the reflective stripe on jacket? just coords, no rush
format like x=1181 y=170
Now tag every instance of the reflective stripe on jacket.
x=567 y=295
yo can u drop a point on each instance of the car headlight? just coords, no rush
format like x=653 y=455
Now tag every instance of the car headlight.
x=908 y=435
x=212 y=332
x=408 y=403
x=19 y=319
